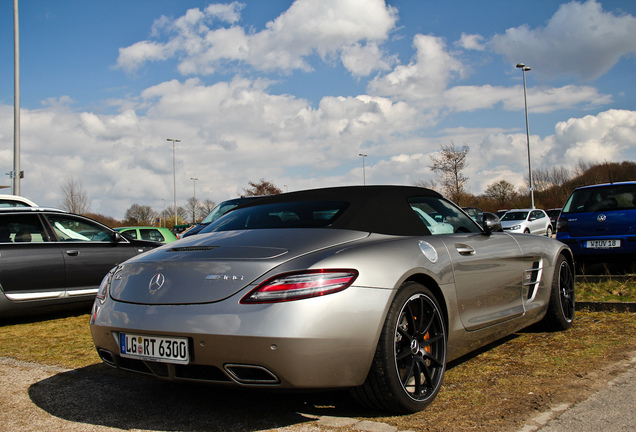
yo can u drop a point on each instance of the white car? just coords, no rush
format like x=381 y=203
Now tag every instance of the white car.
x=527 y=221
x=15 y=201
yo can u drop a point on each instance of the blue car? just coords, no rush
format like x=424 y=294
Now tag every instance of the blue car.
x=599 y=224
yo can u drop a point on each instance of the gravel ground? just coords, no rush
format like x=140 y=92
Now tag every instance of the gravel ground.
x=36 y=397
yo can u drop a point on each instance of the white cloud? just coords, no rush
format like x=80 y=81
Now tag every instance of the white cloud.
x=132 y=57
x=364 y=60
x=580 y=39
x=424 y=78
x=471 y=42
x=608 y=136
x=604 y=137
x=540 y=99
x=426 y=82
x=351 y=29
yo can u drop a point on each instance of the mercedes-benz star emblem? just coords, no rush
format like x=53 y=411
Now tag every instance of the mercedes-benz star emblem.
x=156 y=283
x=601 y=218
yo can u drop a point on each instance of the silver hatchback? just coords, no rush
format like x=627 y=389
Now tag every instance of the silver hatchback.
x=527 y=221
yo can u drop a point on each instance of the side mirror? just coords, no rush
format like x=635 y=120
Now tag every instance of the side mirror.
x=118 y=237
x=491 y=223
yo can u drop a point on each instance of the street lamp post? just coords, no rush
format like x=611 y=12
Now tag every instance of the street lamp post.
x=174 y=176
x=16 y=173
x=525 y=69
x=194 y=204
x=163 y=215
x=364 y=174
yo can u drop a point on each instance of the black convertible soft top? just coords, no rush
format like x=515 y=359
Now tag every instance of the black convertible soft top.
x=378 y=209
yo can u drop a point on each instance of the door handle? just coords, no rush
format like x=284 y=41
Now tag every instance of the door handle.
x=72 y=252
x=464 y=249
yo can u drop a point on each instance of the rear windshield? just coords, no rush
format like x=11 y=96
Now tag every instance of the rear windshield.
x=602 y=198
x=301 y=214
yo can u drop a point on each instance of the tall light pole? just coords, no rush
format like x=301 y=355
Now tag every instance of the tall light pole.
x=16 y=173
x=194 y=180
x=194 y=204
x=174 y=176
x=163 y=215
x=364 y=174
x=525 y=69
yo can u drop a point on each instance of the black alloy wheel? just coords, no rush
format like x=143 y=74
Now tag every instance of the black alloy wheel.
x=410 y=360
x=566 y=290
x=561 y=310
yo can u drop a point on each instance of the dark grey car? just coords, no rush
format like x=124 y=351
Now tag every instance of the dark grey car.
x=48 y=257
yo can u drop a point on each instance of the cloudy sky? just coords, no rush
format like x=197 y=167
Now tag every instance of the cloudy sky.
x=293 y=91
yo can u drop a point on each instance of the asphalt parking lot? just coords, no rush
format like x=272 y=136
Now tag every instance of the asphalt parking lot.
x=37 y=397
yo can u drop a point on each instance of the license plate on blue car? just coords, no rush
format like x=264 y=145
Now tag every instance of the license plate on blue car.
x=602 y=244
x=154 y=348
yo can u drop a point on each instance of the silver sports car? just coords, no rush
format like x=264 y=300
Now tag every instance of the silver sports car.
x=372 y=288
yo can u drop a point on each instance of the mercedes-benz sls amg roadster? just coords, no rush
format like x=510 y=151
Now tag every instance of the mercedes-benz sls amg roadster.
x=371 y=288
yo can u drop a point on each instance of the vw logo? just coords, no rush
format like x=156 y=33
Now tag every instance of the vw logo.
x=601 y=218
x=156 y=283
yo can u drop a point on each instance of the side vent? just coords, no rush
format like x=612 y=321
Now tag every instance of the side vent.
x=532 y=278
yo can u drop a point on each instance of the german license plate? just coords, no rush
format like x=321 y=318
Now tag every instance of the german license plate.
x=154 y=348
x=602 y=244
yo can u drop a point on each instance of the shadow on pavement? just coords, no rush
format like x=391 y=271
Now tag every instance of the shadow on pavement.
x=99 y=395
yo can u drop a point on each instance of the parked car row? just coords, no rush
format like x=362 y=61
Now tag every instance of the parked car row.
x=525 y=221
x=222 y=306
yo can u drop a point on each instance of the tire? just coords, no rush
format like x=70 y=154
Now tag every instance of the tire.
x=548 y=232
x=526 y=231
x=561 y=310
x=410 y=359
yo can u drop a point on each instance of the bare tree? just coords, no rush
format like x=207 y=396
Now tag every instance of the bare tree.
x=74 y=198
x=140 y=215
x=168 y=216
x=206 y=207
x=428 y=184
x=262 y=188
x=502 y=192
x=448 y=168
x=192 y=207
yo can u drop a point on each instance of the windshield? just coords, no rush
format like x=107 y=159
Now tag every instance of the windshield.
x=602 y=198
x=219 y=211
x=301 y=214
x=514 y=216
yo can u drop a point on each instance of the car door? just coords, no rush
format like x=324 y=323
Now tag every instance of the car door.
x=538 y=222
x=31 y=266
x=487 y=269
x=89 y=249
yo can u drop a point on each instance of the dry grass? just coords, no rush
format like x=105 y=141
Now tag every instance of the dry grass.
x=57 y=340
x=618 y=289
x=498 y=387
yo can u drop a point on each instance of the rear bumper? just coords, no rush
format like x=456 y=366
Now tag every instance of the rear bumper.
x=625 y=253
x=325 y=342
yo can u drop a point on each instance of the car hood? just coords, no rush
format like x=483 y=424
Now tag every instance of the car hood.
x=511 y=223
x=211 y=267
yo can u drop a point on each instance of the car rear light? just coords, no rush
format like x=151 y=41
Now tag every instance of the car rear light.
x=301 y=285
x=102 y=292
x=562 y=225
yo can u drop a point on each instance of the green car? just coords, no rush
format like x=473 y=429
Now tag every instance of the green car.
x=158 y=234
